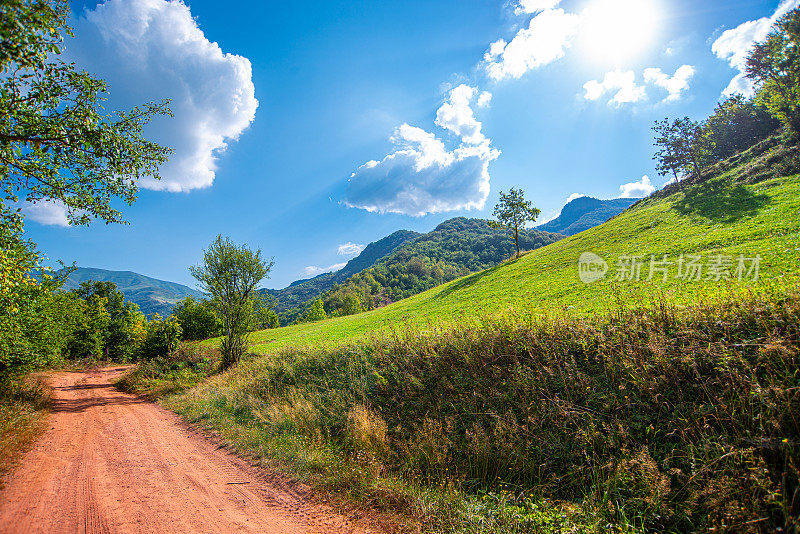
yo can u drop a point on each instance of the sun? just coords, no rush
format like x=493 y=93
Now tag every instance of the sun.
x=616 y=30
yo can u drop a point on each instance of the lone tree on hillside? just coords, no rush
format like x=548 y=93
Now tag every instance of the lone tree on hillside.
x=680 y=147
x=513 y=211
x=230 y=275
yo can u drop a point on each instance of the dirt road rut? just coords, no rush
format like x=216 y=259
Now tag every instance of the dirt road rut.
x=112 y=462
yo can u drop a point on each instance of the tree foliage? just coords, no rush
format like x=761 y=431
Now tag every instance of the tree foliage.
x=513 y=212
x=774 y=65
x=197 y=319
x=680 y=147
x=56 y=141
x=230 y=274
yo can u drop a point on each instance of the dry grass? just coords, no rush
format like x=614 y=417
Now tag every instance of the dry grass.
x=23 y=405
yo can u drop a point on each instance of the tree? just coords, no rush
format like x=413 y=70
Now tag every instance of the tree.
x=737 y=124
x=161 y=339
x=513 y=212
x=316 y=312
x=56 y=141
x=230 y=274
x=774 y=65
x=197 y=319
x=124 y=318
x=681 y=147
x=264 y=315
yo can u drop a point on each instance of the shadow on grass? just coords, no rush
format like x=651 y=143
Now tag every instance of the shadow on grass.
x=468 y=281
x=721 y=201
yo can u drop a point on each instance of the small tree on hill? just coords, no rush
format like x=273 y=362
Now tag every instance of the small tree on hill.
x=681 y=146
x=513 y=212
x=230 y=275
x=316 y=312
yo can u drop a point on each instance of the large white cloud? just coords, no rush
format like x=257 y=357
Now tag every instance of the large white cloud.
x=152 y=49
x=642 y=188
x=457 y=116
x=534 y=6
x=422 y=176
x=675 y=85
x=622 y=84
x=545 y=40
x=735 y=44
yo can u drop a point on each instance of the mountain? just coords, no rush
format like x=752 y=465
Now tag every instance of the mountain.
x=150 y=294
x=455 y=248
x=302 y=291
x=586 y=212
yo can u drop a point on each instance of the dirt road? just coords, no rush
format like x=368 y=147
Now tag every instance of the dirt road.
x=112 y=462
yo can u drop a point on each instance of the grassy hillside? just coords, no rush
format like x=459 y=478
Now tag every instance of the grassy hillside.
x=719 y=216
x=453 y=249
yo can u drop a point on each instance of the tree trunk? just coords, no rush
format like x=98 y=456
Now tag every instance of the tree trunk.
x=516 y=239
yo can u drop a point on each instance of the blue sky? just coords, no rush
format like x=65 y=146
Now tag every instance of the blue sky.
x=302 y=127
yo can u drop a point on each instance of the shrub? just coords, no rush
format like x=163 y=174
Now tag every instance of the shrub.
x=162 y=338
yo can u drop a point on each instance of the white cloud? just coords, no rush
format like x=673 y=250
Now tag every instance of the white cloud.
x=485 y=99
x=545 y=40
x=675 y=85
x=621 y=83
x=46 y=212
x=350 y=249
x=574 y=196
x=423 y=177
x=152 y=49
x=457 y=116
x=735 y=44
x=639 y=189
x=313 y=270
x=534 y=6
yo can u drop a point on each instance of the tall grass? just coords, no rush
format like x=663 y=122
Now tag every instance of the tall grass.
x=660 y=418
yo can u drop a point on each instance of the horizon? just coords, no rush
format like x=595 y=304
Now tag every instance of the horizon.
x=290 y=119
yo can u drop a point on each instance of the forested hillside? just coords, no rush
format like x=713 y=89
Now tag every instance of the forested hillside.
x=456 y=247
x=301 y=291
x=150 y=294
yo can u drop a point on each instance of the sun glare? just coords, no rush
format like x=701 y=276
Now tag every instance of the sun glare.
x=615 y=30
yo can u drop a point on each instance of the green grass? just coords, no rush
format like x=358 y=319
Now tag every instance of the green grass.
x=715 y=217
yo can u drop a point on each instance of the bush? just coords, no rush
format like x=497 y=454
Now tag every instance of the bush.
x=162 y=338
x=197 y=319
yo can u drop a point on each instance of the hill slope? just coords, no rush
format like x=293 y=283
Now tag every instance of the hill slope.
x=150 y=294
x=719 y=216
x=586 y=212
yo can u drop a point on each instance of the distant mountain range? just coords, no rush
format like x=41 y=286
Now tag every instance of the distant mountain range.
x=586 y=212
x=150 y=294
